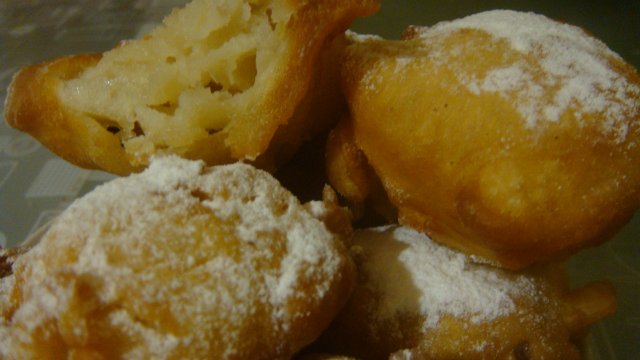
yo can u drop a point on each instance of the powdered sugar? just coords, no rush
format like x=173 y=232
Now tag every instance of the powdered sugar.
x=186 y=256
x=562 y=68
x=417 y=276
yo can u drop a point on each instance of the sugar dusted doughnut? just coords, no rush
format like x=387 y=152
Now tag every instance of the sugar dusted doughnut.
x=417 y=299
x=503 y=134
x=180 y=261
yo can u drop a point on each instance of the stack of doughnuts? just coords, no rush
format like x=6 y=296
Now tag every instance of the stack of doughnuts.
x=465 y=163
x=506 y=137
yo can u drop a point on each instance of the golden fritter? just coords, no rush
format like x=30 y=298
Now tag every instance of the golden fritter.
x=503 y=134
x=417 y=299
x=178 y=262
x=219 y=80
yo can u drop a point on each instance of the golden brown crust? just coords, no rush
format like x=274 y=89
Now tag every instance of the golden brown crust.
x=586 y=305
x=179 y=261
x=308 y=29
x=453 y=122
x=347 y=167
x=32 y=106
x=390 y=314
x=75 y=118
x=349 y=172
x=316 y=112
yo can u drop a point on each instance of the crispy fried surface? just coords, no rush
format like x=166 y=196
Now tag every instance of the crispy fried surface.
x=217 y=81
x=517 y=148
x=178 y=262
x=492 y=146
x=349 y=172
x=417 y=299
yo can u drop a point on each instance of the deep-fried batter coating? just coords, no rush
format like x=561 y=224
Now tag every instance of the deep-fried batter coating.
x=417 y=299
x=178 y=262
x=219 y=80
x=504 y=134
x=348 y=171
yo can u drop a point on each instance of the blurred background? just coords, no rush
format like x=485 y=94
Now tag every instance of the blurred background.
x=616 y=22
x=35 y=185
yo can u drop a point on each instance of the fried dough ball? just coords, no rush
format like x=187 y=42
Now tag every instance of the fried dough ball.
x=177 y=262
x=417 y=299
x=219 y=80
x=503 y=134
